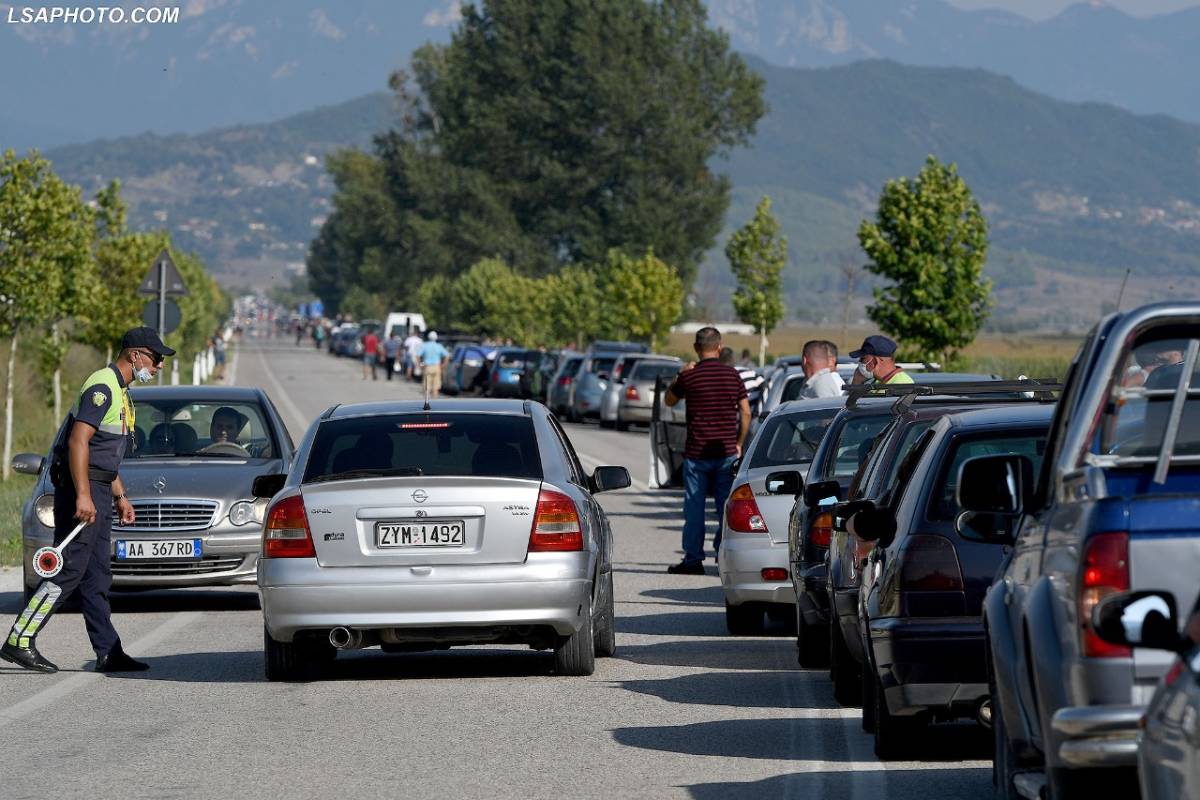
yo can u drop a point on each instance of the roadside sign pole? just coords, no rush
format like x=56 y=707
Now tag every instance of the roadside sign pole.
x=162 y=305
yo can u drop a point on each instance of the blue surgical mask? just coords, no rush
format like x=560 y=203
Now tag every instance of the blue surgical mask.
x=142 y=373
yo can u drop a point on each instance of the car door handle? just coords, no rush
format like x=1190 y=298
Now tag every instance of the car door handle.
x=421 y=570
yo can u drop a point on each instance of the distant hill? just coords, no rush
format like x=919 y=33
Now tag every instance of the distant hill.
x=1074 y=193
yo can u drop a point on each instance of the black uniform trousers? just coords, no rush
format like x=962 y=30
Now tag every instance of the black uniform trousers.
x=86 y=567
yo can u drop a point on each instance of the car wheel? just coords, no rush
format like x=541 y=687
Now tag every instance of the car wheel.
x=1003 y=759
x=622 y=426
x=576 y=654
x=847 y=683
x=744 y=620
x=284 y=660
x=604 y=423
x=606 y=624
x=812 y=643
x=894 y=736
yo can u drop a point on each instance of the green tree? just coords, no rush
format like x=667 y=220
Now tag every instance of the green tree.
x=574 y=305
x=643 y=296
x=756 y=254
x=45 y=235
x=930 y=240
x=435 y=300
x=493 y=300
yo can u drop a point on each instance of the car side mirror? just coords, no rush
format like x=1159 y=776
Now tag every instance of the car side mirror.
x=995 y=484
x=28 y=463
x=846 y=509
x=986 y=528
x=814 y=493
x=268 y=485
x=1138 y=619
x=786 y=481
x=873 y=525
x=605 y=479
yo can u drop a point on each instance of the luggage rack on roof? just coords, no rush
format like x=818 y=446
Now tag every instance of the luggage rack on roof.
x=1040 y=389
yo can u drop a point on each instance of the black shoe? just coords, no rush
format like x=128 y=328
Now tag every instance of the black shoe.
x=118 y=661
x=687 y=568
x=27 y=657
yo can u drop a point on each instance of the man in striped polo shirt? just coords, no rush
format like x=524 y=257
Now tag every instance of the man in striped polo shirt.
x=718 y=418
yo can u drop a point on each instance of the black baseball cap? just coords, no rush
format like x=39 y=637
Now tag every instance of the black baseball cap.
x=875 y=346
x=146 y=338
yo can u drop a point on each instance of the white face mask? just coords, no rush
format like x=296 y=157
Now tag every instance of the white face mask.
x=142 y=373
x=863 y=370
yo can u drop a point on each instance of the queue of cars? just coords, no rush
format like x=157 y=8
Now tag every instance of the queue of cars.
x=1019 y=554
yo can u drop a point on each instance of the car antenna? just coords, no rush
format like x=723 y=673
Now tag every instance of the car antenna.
x=426 y=408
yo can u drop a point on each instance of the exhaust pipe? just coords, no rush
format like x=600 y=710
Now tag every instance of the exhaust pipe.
x=984 y=714
x=345 y=638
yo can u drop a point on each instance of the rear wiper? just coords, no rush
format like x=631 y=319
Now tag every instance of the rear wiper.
x=383 y=472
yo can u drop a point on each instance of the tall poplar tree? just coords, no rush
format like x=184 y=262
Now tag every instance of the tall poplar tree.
x=756 y=254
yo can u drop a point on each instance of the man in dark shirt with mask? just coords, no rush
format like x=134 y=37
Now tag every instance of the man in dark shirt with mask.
x=86 y=488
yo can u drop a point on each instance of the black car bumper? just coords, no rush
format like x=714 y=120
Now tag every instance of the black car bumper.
x=932 y=663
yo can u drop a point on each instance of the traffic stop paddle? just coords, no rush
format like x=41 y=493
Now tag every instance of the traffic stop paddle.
x=48 y=561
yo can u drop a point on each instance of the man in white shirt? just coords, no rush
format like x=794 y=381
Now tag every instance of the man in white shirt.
x=412 y=349
x=820 y=370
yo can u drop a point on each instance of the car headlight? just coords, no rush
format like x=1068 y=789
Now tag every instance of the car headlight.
x=244 y=512
x=44 y=508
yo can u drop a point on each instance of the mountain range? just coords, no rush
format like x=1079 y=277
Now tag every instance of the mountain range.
x=1075 y=194
x=238 y=62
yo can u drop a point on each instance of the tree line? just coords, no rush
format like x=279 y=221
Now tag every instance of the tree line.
x=69 y=274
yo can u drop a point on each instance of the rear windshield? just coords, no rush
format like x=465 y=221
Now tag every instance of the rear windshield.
x=602 y=365
x=652 y=372
x=1030 y=443
x=572 y=366
x=511 y=360
x=854 y=443
x=791 y=438
x=491 y=445
x=1134 y=425
x=169 y=428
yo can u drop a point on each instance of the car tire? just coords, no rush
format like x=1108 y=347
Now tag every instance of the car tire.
x=745 y=619
x=1003 y=758
x=812 y=643
x=576 y=654
x=843 y=671
x=606 y=624
x=622 y=426
x=604 y=423
x=284 y=660
x=894 y=736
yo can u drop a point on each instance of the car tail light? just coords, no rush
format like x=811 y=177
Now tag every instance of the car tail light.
x=555 y=524
x=565 y=380
x=1173 y=673
x=495 y=377
x=820 y=532
x=774 y=574
x=631 y=393
x=1105 y=571
x=286 y=533
x=741 y=512
x=930 y=564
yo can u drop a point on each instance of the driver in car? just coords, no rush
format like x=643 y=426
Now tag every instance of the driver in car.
x=225 y=426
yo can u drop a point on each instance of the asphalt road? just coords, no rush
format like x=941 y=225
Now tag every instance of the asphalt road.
x=683 y=710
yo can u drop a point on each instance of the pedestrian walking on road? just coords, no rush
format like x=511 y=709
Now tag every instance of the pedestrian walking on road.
x=391 y=351
x=877 y=362
x=433 y=356
x=412 y=352
x=821 y=378
x=88 y=489
x=718 y=418
x=370 y=355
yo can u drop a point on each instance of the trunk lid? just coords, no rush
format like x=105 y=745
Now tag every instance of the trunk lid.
x=496 y=514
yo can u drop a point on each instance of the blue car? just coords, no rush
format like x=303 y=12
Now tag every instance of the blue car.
x=504 y=380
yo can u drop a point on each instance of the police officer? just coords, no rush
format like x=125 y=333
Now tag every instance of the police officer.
x=877 y=363
x=87 y=486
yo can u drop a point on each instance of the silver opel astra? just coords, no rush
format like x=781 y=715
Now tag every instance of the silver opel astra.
x=420 y=527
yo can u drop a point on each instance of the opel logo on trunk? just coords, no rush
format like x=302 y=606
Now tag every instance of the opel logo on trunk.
x=420 y=496
x=160 y=483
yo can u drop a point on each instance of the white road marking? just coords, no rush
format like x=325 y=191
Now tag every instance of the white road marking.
x=283 y=397
x=76 y=682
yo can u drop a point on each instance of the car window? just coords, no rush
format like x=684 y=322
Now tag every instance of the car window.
x=854 y=443
x=649 y=371
x=578 y=476
x=491 y=445
x=572 y=367
x=1134 y=425
x=792 y=389
x=602 y=365
x=171 y=428
x=943 y=504
x=510 y=360
x=791 y=438
x=909 y=438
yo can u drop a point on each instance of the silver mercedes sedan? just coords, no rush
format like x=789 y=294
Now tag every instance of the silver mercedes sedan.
x=195 y=453
x=425 y=527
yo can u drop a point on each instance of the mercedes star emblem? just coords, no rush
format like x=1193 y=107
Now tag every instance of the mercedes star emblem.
x=160 y=483
x=420 y=496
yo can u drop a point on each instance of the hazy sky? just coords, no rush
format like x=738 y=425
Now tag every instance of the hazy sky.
x=1041 y=9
